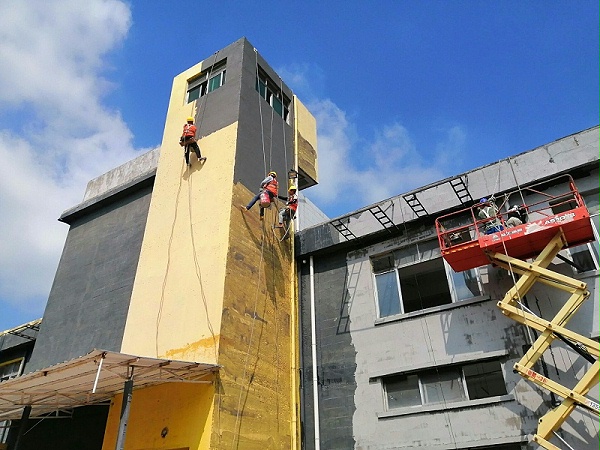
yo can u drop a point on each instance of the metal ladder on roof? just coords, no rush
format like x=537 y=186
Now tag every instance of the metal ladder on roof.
x=382 y=218
x=415 y=204
x=343 y=229
x=460 y=189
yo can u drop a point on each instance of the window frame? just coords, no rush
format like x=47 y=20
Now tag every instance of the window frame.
x=445 y=369
x=202 y=81
x=5 y=424
x=18 y=372
x=583 y=247
x=269 y=90
x=396 y=268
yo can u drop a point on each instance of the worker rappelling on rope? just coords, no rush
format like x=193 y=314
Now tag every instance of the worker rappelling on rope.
x=267 y=192
x=287 y=213
x=188 y=141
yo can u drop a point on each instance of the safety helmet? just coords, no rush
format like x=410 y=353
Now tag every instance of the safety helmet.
x=292 y=188
x=190 y=119
x=273 y=173
x=483 y=200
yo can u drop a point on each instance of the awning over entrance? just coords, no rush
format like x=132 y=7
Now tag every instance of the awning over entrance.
x=90 y=379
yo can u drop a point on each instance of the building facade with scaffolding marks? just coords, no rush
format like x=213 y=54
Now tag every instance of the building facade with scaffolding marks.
x=171 y=320
x=421 y=326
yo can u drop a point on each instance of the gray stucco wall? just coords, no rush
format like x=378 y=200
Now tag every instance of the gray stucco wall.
x=336 y=363
x=458 y=333
x=308 y=214
x=565 y=155
x=89 y=298
x=265 y=140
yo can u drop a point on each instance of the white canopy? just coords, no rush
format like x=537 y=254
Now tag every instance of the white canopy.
x=90 y=379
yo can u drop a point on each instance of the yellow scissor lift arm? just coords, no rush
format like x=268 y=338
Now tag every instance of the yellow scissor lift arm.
x=512 y=307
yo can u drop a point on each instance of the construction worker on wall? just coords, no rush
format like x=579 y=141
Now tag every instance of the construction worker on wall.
x=286 y=214
x=188 y=141
x=269 y=188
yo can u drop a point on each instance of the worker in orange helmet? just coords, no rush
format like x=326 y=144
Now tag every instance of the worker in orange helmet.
x=268 y=185
x=188 y=141
x=289 y=212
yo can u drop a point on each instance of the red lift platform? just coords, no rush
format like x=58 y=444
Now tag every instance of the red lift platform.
x=552 y=217
x=465 y=244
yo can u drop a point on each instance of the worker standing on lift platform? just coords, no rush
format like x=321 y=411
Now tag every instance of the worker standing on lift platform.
x=514 y=217
x=488 y=211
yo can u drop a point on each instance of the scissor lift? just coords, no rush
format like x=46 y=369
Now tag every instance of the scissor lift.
x=465 y=246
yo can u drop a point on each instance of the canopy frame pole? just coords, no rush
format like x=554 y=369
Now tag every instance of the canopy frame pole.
x=125 y=408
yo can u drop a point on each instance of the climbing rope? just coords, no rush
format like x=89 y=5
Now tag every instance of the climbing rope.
x=236 y=431
x=199 y=273
x=164 y=283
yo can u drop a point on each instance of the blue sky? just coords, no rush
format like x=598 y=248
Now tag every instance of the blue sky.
x=404 y=92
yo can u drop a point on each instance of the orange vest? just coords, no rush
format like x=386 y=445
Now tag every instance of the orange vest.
x=272 y=186
x=293 y=202
x=189 y=130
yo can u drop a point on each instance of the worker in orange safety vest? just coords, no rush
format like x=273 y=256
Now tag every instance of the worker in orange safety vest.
x=268 y=186
x=188 y=141
x=289 y=212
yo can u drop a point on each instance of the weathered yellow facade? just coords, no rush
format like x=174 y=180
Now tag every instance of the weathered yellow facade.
x=214 y=285
x=306 y=141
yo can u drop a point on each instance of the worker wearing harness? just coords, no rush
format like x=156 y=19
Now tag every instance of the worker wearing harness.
x=489 y=210
x=188 y=141
x=288 y=213
x=269 y=186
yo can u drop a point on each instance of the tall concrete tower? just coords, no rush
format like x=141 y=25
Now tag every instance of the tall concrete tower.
x=215 y=284
x=168 y=267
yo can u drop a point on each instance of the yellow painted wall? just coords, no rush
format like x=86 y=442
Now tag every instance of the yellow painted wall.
x=255 y=350
x=175 y=309
x=177 y=298
x=184 y=408
x=306 y=140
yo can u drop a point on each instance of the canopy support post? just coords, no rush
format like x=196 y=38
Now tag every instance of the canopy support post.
x=22 y=426
x=125 y=408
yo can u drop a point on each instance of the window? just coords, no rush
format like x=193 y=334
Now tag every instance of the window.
x=4 y=428
x=585 y=257
x=10 y=369
x=449 y=384
x=272 y=93
x=416 y=277
x=209 y=80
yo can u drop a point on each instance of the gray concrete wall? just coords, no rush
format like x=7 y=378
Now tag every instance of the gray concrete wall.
x=457 y=333
x=460 y=332
x=561 y=156
x=308 y=214
x=122 y=175
x=265 y=140
x=220 y=107
x=336 y=362
x=89 y=298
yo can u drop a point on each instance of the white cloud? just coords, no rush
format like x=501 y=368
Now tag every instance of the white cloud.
x=52 y=85
x=357 y=171
x=366 y=172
